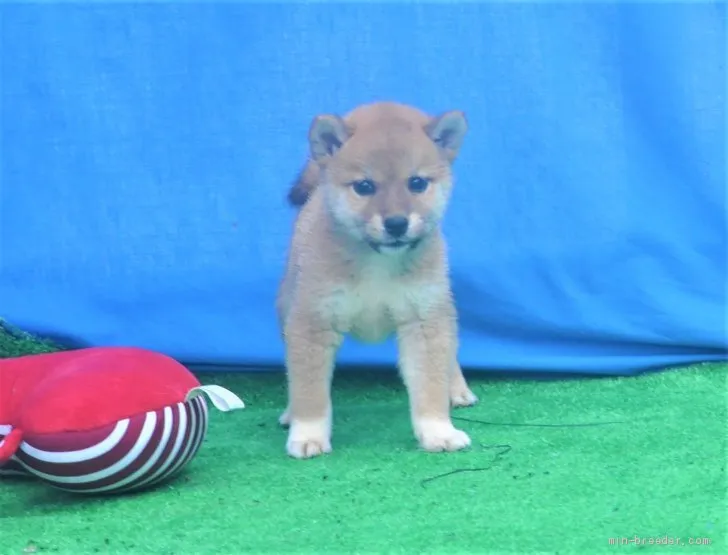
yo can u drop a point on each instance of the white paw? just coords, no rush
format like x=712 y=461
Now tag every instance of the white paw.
x=435 y=435
x=308 y=439
x=462 y=397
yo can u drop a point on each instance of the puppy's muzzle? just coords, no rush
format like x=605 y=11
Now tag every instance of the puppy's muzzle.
x=396 y=226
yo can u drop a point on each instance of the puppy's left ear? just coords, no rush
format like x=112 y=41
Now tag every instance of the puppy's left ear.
x=448 y=131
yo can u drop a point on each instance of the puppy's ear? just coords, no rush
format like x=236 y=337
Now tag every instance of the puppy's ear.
x=448 y=131
x=326 y=135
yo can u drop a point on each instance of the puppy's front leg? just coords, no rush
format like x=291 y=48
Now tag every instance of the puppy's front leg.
x=426 y=352
x=310 y=355
x=460 y=393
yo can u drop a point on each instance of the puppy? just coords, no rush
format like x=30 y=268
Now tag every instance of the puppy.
x=368 y=259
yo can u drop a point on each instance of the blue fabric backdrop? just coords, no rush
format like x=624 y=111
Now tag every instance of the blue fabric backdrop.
x=147 y=150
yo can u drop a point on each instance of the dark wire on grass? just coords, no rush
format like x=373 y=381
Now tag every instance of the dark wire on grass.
x=502 y=450
x=506 y=448
x=514 y=424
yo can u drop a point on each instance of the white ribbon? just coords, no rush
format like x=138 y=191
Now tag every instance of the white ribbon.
x=223 y=399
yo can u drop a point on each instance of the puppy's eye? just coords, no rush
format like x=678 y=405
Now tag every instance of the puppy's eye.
x=417 y=184
x=364 y=188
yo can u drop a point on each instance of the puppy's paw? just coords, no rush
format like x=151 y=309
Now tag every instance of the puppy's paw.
x=285 y=418
x=461 y=396
x=440 y=435
x=308 y=439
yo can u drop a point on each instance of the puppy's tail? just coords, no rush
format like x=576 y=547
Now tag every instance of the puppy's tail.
x=305 y=183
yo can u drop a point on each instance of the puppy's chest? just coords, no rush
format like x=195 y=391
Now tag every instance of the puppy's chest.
x=371 y=307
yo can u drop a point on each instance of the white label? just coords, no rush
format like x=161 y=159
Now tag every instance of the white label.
x=223 y=399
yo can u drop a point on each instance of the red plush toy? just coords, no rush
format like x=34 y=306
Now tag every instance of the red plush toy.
x=102 y=420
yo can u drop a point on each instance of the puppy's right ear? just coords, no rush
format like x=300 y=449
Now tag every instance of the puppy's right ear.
x=326 y=135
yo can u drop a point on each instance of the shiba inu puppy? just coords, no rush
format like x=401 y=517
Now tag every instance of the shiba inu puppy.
x=368 y=259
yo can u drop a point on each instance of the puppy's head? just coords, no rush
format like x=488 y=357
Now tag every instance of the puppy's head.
x=386 y=172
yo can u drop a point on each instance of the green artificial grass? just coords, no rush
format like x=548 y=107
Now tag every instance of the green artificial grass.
x=15 y=342
x=556 y=467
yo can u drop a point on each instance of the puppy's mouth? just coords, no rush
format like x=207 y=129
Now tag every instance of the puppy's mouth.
x=394 y=246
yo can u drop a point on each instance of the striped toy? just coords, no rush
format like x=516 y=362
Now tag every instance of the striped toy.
x=102 y=420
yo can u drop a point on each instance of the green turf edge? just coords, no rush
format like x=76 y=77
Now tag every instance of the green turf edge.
x=15 y=342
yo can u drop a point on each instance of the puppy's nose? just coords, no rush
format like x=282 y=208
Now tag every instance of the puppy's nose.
x=396 y=226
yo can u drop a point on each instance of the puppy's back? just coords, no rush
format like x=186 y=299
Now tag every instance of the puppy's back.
x=304 y=184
